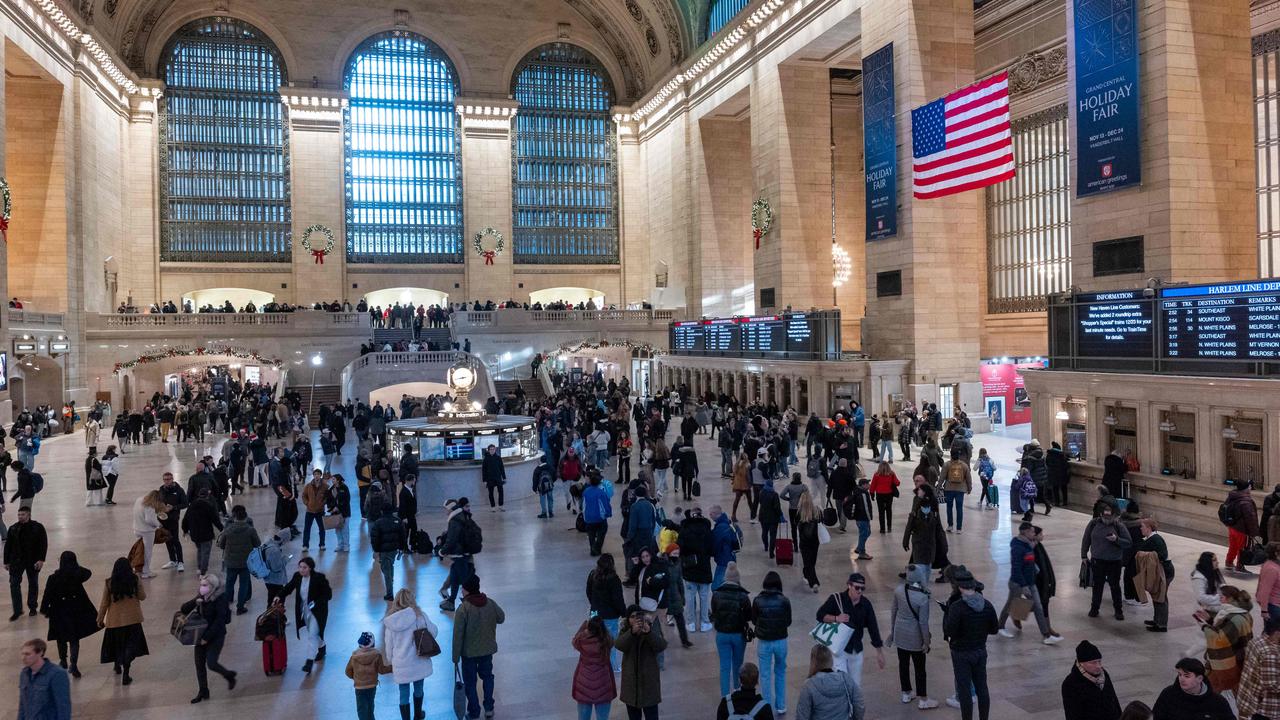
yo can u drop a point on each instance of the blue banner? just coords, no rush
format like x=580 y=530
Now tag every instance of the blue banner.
x=880 y=144
x=1108 y=146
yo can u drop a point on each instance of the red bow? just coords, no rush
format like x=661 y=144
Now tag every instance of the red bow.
x=757 y=233
x=4 y=227
x=488 y=256
x=319 y=256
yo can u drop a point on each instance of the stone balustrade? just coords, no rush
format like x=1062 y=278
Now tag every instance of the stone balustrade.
x=301 y=322
x=521 y=319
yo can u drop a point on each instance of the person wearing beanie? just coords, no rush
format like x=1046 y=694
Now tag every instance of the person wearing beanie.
x=858 y=508
x=1191 y=697
x=462 y=558
x=731 y=616
x=1087 y=692
x=475 y=640
x=364 y=667
x=967 y=623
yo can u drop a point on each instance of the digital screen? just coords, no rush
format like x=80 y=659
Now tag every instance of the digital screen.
x=811 y=335
x=459 y=449
x=1115 y=325
x=799 y=334
x=485 y=441
x=688 y=337
x=1232 y=321
x=722 y=336
x=431 y=448
x=765 y=334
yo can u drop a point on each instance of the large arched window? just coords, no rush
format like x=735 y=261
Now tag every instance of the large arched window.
x=722 y=11
x=224 y=152
x=564 y=157
x=404 y=165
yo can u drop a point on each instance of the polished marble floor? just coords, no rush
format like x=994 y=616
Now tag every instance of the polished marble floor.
x=535 y=569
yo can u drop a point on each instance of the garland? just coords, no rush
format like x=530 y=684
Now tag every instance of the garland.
x=328 y=245
x=761 y=219
x=606 y=344
x=478 y=244
x=199 y=351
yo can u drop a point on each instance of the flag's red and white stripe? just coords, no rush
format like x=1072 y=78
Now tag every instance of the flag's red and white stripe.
x=979 y=143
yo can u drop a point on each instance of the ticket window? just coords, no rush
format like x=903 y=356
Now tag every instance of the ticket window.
x=1122 y=430
x=1073 y=429
x=1243 y=445
x=1178 y=443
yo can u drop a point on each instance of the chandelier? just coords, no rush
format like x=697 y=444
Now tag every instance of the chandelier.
x=841 y=265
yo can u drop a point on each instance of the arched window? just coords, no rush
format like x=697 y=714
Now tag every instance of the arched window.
x=722 y=11
x=404 y=164
x=224 y=151
x=564 y=153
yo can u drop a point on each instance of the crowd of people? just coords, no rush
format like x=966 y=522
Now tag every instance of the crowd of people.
x=605 y=451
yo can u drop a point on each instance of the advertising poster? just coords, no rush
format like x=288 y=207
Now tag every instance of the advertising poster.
x=880 y=144
x=1106 y=97
x=1003 y=395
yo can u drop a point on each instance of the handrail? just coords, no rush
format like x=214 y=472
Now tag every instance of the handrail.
x=514 y=316
x=424 y=357
x=30 y=317
x=113 y=321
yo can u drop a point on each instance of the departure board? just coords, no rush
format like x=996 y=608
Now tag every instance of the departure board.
x=1115 y=325
x=811 y=335
x=1232 y=321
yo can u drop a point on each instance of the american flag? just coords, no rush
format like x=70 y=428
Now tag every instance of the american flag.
x=962 y=141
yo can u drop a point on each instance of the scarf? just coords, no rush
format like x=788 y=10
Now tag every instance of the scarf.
x=1100 y=680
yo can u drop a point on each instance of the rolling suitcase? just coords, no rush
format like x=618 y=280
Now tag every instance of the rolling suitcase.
x=275 y=655
x=784 y=551
x=993 y=495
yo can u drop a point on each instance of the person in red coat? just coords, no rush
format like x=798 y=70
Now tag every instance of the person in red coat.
x=593 y=686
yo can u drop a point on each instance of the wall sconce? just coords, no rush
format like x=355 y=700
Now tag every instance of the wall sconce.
x=1062 y=413
x=1230 y=432
x=1110 y=419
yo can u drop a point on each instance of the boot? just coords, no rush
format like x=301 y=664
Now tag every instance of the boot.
x=404 y=712
x=418 y=712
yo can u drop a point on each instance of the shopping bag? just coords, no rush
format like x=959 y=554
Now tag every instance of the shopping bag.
x=834 y=636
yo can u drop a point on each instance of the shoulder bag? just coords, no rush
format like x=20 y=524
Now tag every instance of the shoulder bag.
x=833 y=635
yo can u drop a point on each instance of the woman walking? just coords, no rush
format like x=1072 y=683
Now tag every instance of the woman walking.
x=909 y=632
x=338 y=501
x=604 y=594
x=593 y=686
x=120 y=612
x=740 y=484
x=640 y=643
x=1226 y=635
x=884 y=487
x=214 y=607
x=809 y=541
x=71 y=614
x=924 y=535
x=310 y=609
x=409 y=669
x=111 y=472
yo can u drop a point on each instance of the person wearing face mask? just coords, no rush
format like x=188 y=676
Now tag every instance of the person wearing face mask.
x=1191 y=697
x=1087 y=692
x=214 y=607
x=924 y=536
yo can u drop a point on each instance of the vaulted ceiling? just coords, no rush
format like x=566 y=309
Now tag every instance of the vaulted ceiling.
x=644 y=37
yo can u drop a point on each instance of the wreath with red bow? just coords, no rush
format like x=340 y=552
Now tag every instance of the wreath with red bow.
x=7 y=211
x=329 y=244
x=488 y=254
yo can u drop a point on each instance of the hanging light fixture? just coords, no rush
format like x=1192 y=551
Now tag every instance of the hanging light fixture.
x=1110 y=419
x=1062 y=413
x=841 y=265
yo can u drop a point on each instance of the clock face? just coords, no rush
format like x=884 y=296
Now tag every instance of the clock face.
x=463 y=377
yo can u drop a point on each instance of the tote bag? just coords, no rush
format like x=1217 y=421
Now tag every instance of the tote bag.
x=833 y=636
x=824 y=535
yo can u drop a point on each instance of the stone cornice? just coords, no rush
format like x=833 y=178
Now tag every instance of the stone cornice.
x=486 y=117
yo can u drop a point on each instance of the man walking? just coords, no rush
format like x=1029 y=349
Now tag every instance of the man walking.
x=24 y=553
x=176 y=498
x=695 y=564
x=966 y=625
x=44 y=691
x=1022 y=583
x=387 y=539
x=724 y=544
x=237 y=541
x=475 y=640
x=596 y=511
x=461 y=543
x=313 y=497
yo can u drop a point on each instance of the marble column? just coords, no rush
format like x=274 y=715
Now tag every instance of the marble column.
x=486 y=169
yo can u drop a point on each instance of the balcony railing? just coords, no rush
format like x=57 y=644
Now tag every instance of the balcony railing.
x=307 y=319
x=520 y=318
x=30 y=318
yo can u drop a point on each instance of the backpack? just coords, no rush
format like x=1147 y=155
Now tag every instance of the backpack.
x=1227 y=514
x=955 y=473
x=749 y=715
x=472 y=538
x=813 y=468
x=37 y=482
x=256 y=563
x=546 y=482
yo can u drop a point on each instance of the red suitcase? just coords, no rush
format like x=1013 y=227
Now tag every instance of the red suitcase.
x=784 y=551
x=275 y=655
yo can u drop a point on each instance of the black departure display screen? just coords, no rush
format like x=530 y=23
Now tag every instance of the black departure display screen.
x=797 y=336
x=1115 y=325
x=1229 y=321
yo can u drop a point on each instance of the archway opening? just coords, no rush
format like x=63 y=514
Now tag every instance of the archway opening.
x=35 y=380
x=567 y=295
x=217 y=297
x=391 y=394
x=406 y=296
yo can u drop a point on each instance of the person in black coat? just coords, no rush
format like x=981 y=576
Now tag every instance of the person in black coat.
x=1113 y=470
x=408 y=505
x=1059 y=473
x=215 y=608
x=1046 y=581
x=176 y=498
x=199 y=523
x=310 y=613
x=494 y=474
x=24 y=554
x=1087 y=692
x=72 y=616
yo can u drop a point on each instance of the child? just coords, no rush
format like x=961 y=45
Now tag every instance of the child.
x=669 y=532
x=364 y=667
x=986 y=471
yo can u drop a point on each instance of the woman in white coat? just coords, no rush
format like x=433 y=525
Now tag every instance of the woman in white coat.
x=148 y=511
x=408 y=667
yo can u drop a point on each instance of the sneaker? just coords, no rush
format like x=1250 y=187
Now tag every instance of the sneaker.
x=305 y=548
x=488 y=714
x=959 y=530
x=1134 y=603
x=447 y=606
x=953 y=702
x=927 y=704
x=908 y=697
x=1053 y=639
x=949 y=529
x=181 y=567
x=691 y=628
x=147 y=576
x=171 y=564
x=1006 y=633
x=707 y=627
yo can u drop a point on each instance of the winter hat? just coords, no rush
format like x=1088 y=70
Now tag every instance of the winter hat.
x=366 y=639
x=731 y=573
x=1087 y=651
x=673 y=548
x=471 y=585
x=962 y=578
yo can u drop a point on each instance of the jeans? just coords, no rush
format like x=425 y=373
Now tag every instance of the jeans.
x=864 y=532
x=416 y=685
x=174 y=546
x=459 y=570
x=773 y=672
x=148 y=540
x=364 y=703
x=387 y=561
x=970 y=670
x=956 y=498
x=111 y=486
x=547 y=503
x=660 y=480
x=697 y=599
x=731 y=647
x=602 y=458
x=203 y=550
x=907 y=658
x=886 y=451
x=615 y=657
x=481 y=668
x=717 y=578
x=1106 y=572
x=246 y=590
x=15 y=587
x=726 y=461
x=343 y=533
x=1031 y=593
x=207 y=659
x=328 y=463
x=601 y=710
x=309 y=518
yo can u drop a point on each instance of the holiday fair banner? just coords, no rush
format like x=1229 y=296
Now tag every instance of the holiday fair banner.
x=880 y=144
x=1105 y=97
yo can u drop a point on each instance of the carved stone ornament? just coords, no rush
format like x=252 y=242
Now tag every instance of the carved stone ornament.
x=636 y=13
x=1037 y=68
x=651 y=39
